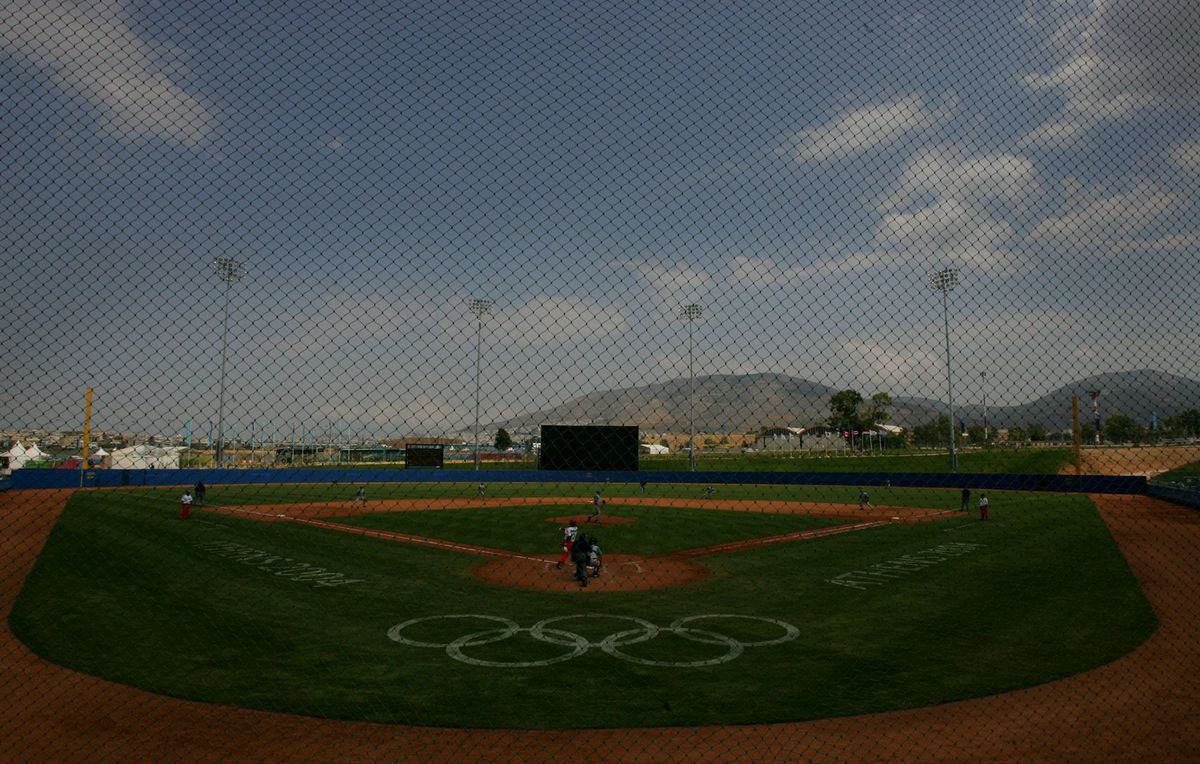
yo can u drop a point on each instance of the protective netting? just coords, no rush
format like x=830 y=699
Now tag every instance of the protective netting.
x=859 y=340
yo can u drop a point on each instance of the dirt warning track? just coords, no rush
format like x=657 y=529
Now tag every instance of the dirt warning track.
x=1142 y=707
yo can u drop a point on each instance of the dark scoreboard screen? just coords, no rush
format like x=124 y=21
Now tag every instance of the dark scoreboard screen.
x=588 y=447
x=424 y=455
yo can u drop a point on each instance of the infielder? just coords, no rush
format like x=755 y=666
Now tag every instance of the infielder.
x=186 y=501
x=597 y=506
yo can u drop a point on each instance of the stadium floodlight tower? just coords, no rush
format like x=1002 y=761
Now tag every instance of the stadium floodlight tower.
x=480 y=308
x=230 y=271
x=943 y=281
x=690 y=313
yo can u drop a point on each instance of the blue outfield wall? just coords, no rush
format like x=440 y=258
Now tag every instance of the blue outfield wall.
x=39 y=478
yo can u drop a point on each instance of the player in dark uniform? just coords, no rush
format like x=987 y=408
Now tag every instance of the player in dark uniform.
x=580 y=555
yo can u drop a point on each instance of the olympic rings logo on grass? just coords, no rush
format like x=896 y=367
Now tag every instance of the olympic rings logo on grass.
x=577 y=644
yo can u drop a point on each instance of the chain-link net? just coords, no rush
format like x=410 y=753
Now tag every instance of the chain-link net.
x=656 y=382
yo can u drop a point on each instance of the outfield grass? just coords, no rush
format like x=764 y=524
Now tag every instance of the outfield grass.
x=235 y=495
x=1019 y=461
x=127 y=591
x=1186 y=473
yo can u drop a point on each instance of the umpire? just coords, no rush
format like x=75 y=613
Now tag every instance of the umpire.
x=580 y=553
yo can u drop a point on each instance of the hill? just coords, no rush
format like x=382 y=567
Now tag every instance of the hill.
x=748 y=402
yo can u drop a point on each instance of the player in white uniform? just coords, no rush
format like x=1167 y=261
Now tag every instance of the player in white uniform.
x=597 y=507
x=568 y=542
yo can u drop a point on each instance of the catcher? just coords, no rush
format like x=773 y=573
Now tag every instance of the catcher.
x=595 y=558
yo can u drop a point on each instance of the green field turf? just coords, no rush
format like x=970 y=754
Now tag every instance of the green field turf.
x=127 y=591
x=1187 y=473
x=1017 y=461
x=581 y=493
x=656 y=530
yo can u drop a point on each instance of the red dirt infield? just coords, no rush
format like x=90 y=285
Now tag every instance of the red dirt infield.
x=623 y=573
x=605 y=519
x=1144 y=706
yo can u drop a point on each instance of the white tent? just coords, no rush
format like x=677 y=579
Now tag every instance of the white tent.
x=18 y=455
x=145 y=457
x=653 y=448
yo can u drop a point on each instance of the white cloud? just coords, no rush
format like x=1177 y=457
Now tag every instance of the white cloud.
x=940 y=174
x=1187 y=156
x=950 y=210
x=1117 y=57
x=556 y=320
x=1108 y=221
x=91 y=50
x=870 y=127
x=756 y=271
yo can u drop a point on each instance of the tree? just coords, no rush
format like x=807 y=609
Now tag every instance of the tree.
x=664 y=443
x=935 y=433
x=1184 y=423
x=1036 y=432
x=1122 y=429
x=504 y=441
x=843 y=411
x=877 y=411
x=1087 y=433
x=1016 y=435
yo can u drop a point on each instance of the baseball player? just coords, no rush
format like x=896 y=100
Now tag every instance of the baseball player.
x=597 y=506
x=568 y=542
x=983 y=506
x=581 y=553
x=361 y=496
x=864 y=499
x=186 y=501
x=595 y=558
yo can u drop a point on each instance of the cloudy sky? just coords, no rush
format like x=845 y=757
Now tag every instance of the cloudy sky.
x=796 y=169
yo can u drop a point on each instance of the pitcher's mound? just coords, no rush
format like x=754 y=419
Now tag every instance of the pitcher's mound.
x=582 y=519
x=621 y=573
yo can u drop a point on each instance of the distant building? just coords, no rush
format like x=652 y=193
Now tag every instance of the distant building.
x=816 y=438
x=780 y=439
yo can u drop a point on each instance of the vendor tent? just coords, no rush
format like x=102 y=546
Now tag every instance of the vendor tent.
x=18 y=455
x=145 y=457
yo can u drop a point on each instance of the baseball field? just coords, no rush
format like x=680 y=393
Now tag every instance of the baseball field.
x=433 y=606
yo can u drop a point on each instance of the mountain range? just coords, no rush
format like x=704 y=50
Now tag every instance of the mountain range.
x=748 y=402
